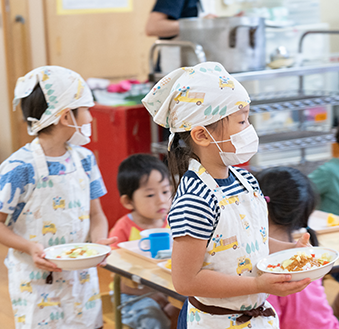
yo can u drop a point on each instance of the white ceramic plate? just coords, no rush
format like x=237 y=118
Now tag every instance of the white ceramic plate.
x=162 y=265
x=70 y=264
x=313 y=274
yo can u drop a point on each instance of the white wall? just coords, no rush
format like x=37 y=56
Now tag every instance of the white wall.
x=329 y=14
x=37 y=33
x=5 y=108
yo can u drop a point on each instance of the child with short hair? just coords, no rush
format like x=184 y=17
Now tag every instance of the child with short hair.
x=49 y=195
x=290 y=203
x=145 y=190
x=219 y=211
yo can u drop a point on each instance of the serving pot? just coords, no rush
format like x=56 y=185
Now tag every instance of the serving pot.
x=236 y=42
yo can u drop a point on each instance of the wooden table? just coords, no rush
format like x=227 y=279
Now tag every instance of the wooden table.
x=143 y=272
x=148 y=273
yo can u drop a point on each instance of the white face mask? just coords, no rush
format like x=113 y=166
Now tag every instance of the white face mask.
x=246 y=145
x=81 y=137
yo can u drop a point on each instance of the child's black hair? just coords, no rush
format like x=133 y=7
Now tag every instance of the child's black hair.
x=291 y=198
x=181 y=152
x=34 y=106
x=136 y=168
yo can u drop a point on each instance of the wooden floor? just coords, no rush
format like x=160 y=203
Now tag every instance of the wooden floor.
x=6 y=313
x=105 y=277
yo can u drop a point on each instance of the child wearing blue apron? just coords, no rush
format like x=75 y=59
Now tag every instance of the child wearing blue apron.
x=219 y=216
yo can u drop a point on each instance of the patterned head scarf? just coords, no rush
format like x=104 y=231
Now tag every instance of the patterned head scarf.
x=195 y=96
x=63 y=89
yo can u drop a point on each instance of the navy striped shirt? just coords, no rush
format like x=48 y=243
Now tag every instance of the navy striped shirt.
x=195 y=209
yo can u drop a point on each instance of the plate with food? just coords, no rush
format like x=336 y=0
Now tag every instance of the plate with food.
x=167 y=265
x=77 y=256
x=301 y=263
x=321 y=222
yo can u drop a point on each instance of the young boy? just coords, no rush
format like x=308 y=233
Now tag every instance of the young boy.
x=145 y=190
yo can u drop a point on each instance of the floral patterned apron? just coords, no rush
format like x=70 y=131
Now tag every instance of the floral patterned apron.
x=239 y=241
x=56 y=213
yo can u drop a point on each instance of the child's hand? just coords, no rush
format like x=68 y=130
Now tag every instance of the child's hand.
x=279 y=285
x=106 y=242
x=36 y=250
x=303 y=241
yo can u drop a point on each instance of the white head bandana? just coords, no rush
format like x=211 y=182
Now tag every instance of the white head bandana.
x=195 y=96
x=63 y=89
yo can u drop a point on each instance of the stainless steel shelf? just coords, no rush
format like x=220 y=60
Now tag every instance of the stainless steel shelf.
x=294 y=140
x=291 y=100
x=285 y=101
x=286 y=72
x=273 y=73
x=306 y=167
x=277 y=142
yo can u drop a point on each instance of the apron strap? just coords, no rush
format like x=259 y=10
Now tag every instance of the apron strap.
x=75 y=157
x=40 y=159
x=245 y=315
x=196 y=167
x=210 y=181
x=241 y=178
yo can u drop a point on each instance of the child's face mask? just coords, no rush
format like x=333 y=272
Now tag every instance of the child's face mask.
x=246 y=145
x=82 y=136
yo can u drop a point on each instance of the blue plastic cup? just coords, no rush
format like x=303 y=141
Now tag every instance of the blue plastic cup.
x=157 y=241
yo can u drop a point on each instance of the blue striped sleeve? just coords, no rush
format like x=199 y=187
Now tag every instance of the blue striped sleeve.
x=194 y=210
x=191 y=215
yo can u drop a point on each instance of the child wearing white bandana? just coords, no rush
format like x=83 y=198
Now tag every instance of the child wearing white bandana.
x=219 y=214
x=49 y=195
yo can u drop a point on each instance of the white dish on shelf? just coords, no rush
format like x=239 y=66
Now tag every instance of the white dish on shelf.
x=133 y=248
x=313 y=274
x=71 y=264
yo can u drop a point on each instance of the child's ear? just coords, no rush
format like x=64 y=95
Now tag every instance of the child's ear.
x=126 y=202
x=200 y=136
x=65 y=117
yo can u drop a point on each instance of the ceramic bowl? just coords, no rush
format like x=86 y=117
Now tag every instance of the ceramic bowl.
x=70 y=264
x=313 y=274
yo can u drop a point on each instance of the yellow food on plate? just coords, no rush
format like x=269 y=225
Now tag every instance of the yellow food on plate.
x=332 y=220
x=169 y=264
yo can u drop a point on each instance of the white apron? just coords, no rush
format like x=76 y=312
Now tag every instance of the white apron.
x=239 y=241
x=56 y=213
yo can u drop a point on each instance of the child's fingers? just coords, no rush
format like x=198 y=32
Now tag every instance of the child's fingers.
x=279 y=278
x=295 y=286
x=46 y=265
x=304 y=241
x=107 y=241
